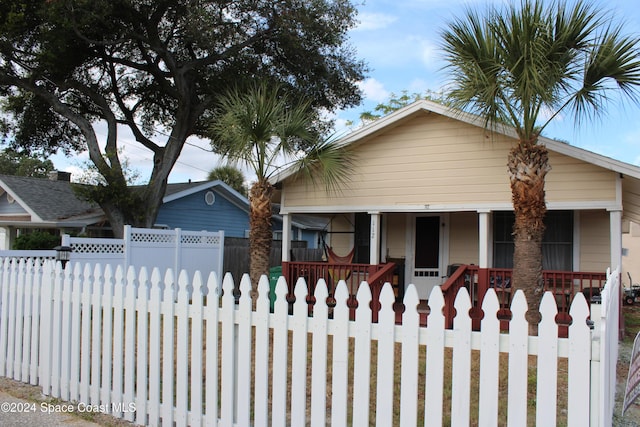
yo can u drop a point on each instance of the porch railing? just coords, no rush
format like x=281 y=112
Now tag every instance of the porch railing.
x=563 y=284
x=353 y=274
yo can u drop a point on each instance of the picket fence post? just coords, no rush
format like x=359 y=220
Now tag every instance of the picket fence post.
x=340 y=357
x=243 y=353
x=319 y=346
x=410 y=356
x=434 y=392
x=546 y=389
x=386 y=350
x=578 y=363
x=489 y=361
x=130 y=295
x=518 y=361
x=261 y=386
x=362 y=357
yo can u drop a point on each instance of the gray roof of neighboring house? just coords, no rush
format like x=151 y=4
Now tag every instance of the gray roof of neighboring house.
x=54 y=202
x=47 y=200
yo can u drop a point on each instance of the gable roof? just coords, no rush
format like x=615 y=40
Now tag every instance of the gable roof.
x=179 y=190
x=423 y=106
x=50 y=201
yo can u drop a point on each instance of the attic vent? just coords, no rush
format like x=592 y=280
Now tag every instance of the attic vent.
x=10 y=199
x=209 y=198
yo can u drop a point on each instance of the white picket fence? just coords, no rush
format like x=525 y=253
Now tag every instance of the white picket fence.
x=122 y=344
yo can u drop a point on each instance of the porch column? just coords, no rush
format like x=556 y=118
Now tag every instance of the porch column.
x=615 y=224
x=374 y=242
x=286 y=237
x=484 y=241
x=9 y=237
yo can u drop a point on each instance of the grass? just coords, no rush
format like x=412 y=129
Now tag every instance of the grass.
x=475 y=384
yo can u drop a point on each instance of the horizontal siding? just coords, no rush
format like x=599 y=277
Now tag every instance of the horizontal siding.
x=431 y=159
x=571 y=179
x=463 y=238
x=192 y=213
x=595 y=244
x=396 y=235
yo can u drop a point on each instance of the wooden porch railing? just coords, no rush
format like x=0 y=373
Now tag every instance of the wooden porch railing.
x=353 y=274
x=563 y=284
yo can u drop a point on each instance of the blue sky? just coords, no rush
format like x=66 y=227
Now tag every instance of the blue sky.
x=399 y=40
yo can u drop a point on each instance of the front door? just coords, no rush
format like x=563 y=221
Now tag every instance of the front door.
x=427 y=254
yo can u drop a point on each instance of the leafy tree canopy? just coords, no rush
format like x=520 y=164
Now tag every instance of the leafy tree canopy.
x=13 y=162
x=157 y=68
x=396 y=102
x=231 y=176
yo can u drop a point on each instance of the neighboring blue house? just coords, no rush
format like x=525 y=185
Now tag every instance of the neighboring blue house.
x=37 y=203
x=215 y=206
x=211 y=206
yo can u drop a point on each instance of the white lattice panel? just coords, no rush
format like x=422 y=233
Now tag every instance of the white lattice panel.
x=97 y=248
x=151 y=248
x=153 y=237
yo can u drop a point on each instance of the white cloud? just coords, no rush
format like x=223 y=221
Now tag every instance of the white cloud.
x=373 y=90
x=374 y=21
x=429 y=54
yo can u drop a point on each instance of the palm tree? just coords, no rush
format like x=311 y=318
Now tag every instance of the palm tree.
x=229 y=175
x=522 y=67
x=266 y=130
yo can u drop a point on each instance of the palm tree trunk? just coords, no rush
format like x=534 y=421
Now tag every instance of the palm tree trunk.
x=260 y=234
x=528 y=166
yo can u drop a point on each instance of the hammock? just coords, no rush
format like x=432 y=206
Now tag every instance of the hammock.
x=337 y=274
x=337 y=259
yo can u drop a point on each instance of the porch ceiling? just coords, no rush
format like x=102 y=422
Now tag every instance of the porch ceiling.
x=631 y=198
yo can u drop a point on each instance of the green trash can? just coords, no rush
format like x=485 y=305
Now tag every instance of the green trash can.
x=274 y=275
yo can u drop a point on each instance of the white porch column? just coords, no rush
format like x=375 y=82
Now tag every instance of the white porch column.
x=374 y=243
x=286 y=237
x=484 y=239
x=615 y=224
x=8 y=237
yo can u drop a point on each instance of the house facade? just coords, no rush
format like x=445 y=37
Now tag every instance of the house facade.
x=430 y=190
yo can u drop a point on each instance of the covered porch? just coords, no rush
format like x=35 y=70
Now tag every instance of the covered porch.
x=564 y=285
x=463 y=249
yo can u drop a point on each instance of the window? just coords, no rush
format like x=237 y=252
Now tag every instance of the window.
x=209 y=198
x=557 y=244
x=362 y=238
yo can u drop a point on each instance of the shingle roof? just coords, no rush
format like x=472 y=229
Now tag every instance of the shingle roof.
x=49 y=200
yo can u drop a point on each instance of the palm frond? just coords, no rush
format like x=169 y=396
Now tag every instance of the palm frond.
x=258 y=124
x=329 y=163
x=512 y=64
